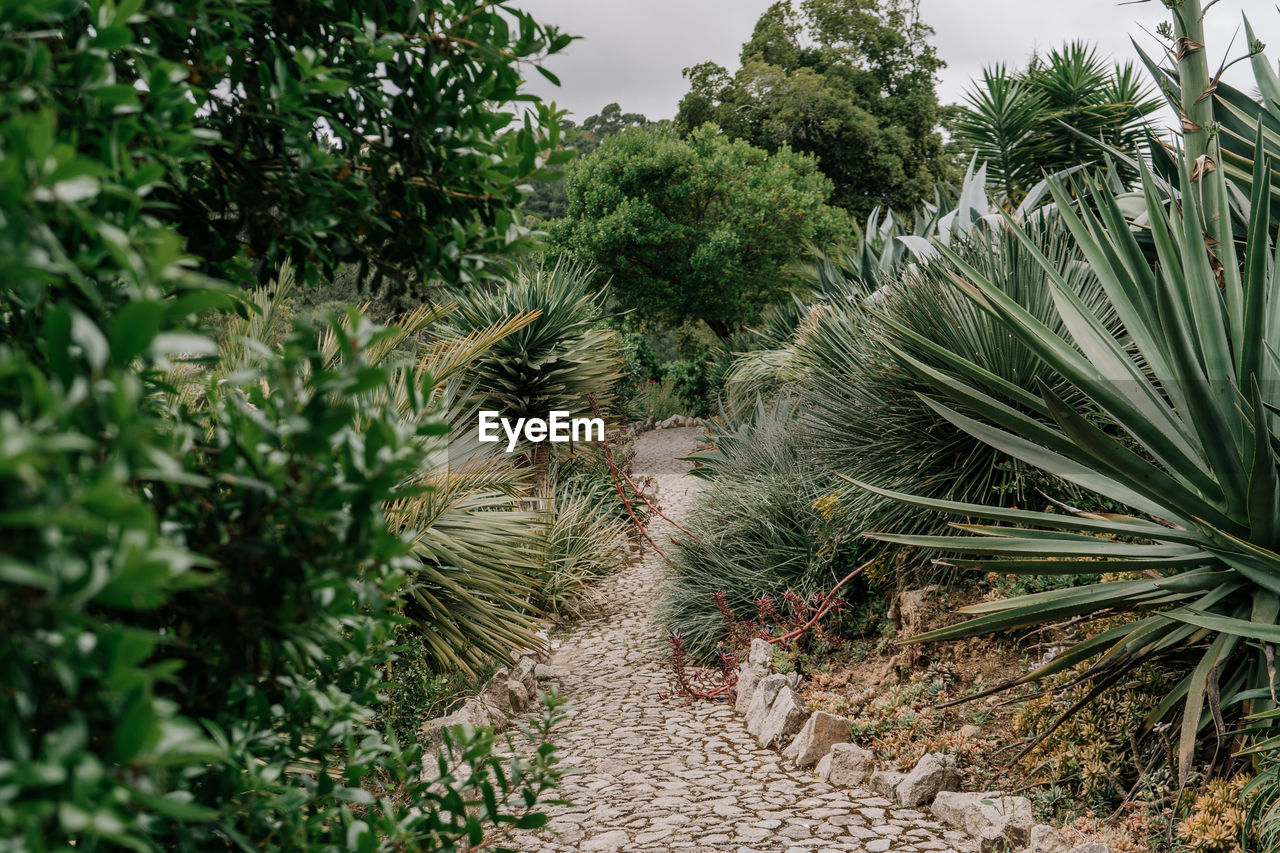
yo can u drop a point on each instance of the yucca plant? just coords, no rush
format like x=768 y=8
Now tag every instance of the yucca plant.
x=1024 y=123
x=1195 y=388
x=555 y=362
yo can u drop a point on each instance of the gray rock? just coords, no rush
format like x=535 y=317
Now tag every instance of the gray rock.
x=820 y=732
x=762 y=699
x=543 y=672
x=518 y=694
x=525 y=672
x=498 y=694
x=999 y=823
x=670 y=422
x=749 y=677
x=1047 y=839
x=474 y=712
x=886 y=782
x=933 y=773
x=786 y=716
x=847 y=766
x=1091 y=847
x=761 y=654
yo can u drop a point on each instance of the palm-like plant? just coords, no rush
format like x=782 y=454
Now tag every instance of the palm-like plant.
x=1024 y=123
x=1195 y=388
x=557 y=361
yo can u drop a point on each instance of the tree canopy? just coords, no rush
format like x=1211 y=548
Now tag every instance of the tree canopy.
x=699 y=227
x=849 y=81
x=337 y=132
x=548 y=199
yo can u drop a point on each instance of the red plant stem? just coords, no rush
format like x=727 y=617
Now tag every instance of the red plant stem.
x=640 y=494
x=828 y=602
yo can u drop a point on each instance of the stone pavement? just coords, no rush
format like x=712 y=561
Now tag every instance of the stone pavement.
x=662 y=774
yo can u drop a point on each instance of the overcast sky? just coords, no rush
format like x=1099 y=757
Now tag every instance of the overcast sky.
x=632 y=51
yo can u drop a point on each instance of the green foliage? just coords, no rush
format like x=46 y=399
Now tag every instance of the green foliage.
x=315 y=138
x=1194 y=387
x=583 y=539
x=694 y=228
x=548 y=200
x=558 y=360
x=653 y=398
x=1041 y=119
x=758 y=529
x=849 y=81
x=858 y=366
x=197 y=580
x=690 y=381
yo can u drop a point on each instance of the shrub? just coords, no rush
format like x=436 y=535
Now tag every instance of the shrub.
x=653 y=399
x=758 y=529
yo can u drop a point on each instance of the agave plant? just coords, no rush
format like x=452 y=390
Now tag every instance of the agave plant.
x=1195 y=390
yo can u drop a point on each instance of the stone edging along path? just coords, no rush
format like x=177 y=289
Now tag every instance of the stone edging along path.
x=661 y=774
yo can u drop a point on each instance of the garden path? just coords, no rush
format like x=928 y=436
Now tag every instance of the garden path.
x=661 y=774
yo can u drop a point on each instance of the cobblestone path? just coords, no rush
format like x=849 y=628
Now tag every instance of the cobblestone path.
x=660 y=774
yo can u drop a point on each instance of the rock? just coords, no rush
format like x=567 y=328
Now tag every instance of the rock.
x=762 y=699
x=498 y=694
x=761 y=654
x=613 y=840
x=518 y=694
x=999 y=823
x=933 y=773
x=1047 y=839
x=848 y=766
x=912 y=609
x=543 y=672
x=524 y=672
x=474 y=712
x=669 y=423
x=749 y=677
x=1091 y=847
x=886 y=782
x=786 y=716
x=969 y=731
x=820 y=732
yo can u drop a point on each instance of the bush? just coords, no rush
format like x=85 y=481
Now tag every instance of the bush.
x=759 y=526
x=197 y=579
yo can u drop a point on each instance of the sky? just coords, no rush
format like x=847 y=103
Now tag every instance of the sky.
x=632 y=51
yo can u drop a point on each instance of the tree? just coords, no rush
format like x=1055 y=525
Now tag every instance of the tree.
x=548 y=199
x=695 y=228
x=849 y=81
x=336 y=133
x=1024 y=123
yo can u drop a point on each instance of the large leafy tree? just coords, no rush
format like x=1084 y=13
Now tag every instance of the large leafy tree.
x=548 y=199
x=1041 y=119
x=695 y=228
x=339 y=132
x=848 y=81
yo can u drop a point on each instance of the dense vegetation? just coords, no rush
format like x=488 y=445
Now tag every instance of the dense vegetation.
x=250 y=541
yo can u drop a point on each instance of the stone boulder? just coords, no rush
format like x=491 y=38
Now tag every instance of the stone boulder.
x=498 y=692
x=762 y=700
x=820 y=732
x=911 y=610
x=1091 y=847
x=474 y=712
x=847 y=766
x=525 y=671
x=933 y=773
x=786 y=716
x=761 y=654
x=749 y=677
x=1047 y=839
x=999 y=823
x=544 y=672
x=886 y=782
